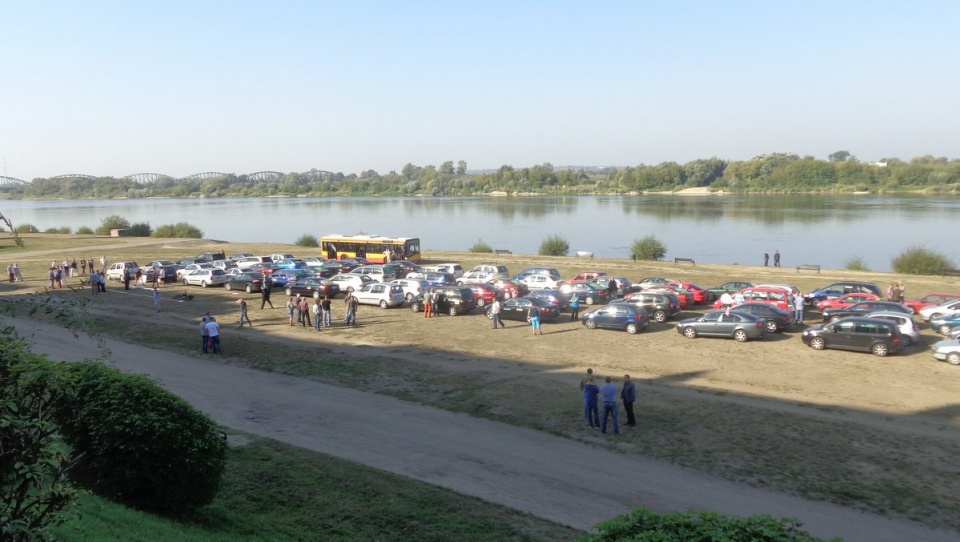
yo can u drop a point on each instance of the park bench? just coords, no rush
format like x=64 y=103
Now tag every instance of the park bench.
x=684 y=260
x=951 y=272
x=502 y=251
x=808 y=267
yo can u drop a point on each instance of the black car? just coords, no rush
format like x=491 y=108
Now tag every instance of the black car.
x=165 y=270
x=558 y=298
x=588 y=292
x=315 y=287
x=251 y=281
x=775 y=318
x=518 y=308
x=832 y=315
x=659 y=306
x=452 y=300
x=875 y=335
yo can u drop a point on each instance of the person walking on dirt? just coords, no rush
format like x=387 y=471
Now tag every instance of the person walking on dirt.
x=352 y=304
x=243 y=313
x=327 y=315
x=628 y=394
x=495 y=314
x=591 y=394
x=156 y=298
x=533 y=316
x=291 y=306
x=265 y=293
x=766 y=258
x=608 y=392
x=776 y=258
x=428 y=303
x=317 y=313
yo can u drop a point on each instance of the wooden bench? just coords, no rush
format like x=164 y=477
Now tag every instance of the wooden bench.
x=684 y=260
x=951 y=272
x=808 y=267
x=502 y=251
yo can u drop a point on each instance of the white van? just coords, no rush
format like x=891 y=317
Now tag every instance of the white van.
x=453 y=268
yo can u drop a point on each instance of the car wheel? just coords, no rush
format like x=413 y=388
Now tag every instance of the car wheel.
x=740 y=335
x=459 y=283
x=507 y=295
x=834 y=318
x=249 y=289
x=227 y=287
x=953 y=358
x=772 y=326
x=912 y=311
x=880 y=349
x=415 y=307
x=817 y=343
x=591 y=324
x=906 y=341
x=944 y=330
x=185 y=282
x=383 y=303
x=453 y=311
x=632 y=328
x=481 y=302
x=316 y=294
x=409 y=297
x=661 y=317
x=588 y=301
x=690 y=333
x=288 y=291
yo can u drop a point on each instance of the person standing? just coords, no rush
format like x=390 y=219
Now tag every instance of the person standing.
x=766 y=258
x=726 y=300
x=213 y=331
x=428 y=303
x=73 y=268
x=291 y=306
x=16 y=272
x=243 y=313
x=608 y=393
x=776 y=258
x=591 y=394
x=102 y=281
x=305 y=312
x=352 y=304
x=495 y=313
x=614 y=289
x=83 y=265
x=327 y=315
x=126 y=278
x=156 y=298
x=574 y=307
x=10 y=272
x=533 y=316
x=628 y=394
x=895 y=294
x=204 y=334
x=265 y=293
x=903 y=288
x=798 y=307
x=317 y=314
x=103 y=263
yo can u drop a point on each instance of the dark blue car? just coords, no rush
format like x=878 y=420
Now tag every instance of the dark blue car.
x=629 y=318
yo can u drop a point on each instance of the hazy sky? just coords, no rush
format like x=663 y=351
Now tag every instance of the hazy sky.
x=120 y=87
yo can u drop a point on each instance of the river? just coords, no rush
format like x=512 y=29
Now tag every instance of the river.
x=825 y=230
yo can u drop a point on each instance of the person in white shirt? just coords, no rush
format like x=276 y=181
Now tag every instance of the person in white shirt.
x=213 y=331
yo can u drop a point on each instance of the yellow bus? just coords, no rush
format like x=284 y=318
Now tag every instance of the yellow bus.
x=374 y=248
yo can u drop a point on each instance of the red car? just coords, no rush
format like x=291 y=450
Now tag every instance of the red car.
x=686 y=298
x=929 y=300
x=484 y=293
x=265 y=268
x=845 y=301
x=510 y=288
x=700 y=294
x=589 y=276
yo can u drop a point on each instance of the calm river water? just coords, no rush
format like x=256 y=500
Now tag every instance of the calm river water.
x=826 y=230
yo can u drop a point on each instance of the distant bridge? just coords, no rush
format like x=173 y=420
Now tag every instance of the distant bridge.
x=10 y=181
x=146 y=178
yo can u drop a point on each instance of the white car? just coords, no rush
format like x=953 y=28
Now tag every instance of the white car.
x=224 y=264
x=191 y=268
x=948 y=350
x=651 y=282
x=247 y=261
x=908 y=327
x=314 y=261
x=383 y=294
x=936 y=311
x=476 y=277
x=454 y=268
x=349 y=282
x=205 y=277
x=411 y=287
x=279 y=257
x=116 y=270
x=495 y=270
x=539 y=282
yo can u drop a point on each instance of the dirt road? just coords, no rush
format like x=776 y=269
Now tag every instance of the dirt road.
x=556 y=478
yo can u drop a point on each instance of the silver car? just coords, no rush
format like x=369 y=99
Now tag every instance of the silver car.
x=948 y=350
x=205 y=277
x=383 y=294
x=908 y=327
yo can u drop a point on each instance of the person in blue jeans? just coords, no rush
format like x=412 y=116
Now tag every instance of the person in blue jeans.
x=608 y=392
x=533 y=316
x=590 y=409
x=574 y=307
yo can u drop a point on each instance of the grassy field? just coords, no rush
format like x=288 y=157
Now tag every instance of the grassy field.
x=865 y=466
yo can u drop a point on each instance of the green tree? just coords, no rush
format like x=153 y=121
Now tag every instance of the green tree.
x=554 y=245
x=181 y=230
x=840 y=156
x=462 y=167
x=649 y=249
x=112 y=222
x=140 y=229
x=481 y=247
x=920 y=261
x=307 y=240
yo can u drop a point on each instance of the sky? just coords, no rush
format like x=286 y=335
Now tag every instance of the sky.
x=115 y=88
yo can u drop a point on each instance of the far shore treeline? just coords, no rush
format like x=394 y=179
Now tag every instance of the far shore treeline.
x=770 y=173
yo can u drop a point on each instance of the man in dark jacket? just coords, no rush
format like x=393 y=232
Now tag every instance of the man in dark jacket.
x=628 y=394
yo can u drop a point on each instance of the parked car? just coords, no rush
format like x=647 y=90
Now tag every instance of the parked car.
x=248 y=261
x=510 y=287
x=518 y=308
x=588 y=276
x=837 y=289
x=930 y=300
x=212 y=256
x=331 y=267
x=382 y=294
x=454 y=268
x=589 y=292
x=775 y=296
x=539 y=281
x=494 y=269
x=659 y=306
x=278 y=257
x=315 y=287
x=267 y=268
x=474 y=277
x=536 y=271
x=282 y=277
x=945 y=325
x=290 y=263
x=701 y=295
x=408 y=267
x=626 y=285
x=846 y=300
x=650 y=282
x=876 y=335
x=349 y=264
x=313 y=261
x=452 y=300
x=861 y=309
x=251 y=281
x=948 y=350
x=349 y=282
x=115 y=271
x=411 y=287
x=740 y=326
x=774 y=318
x=908 y=327
x=204 y=277
x=191 y=268
x=551 y=295
x=629 y=318
x=936 y=311
x=165 y=269
x=379 y=273
x=183 y=262
x=729 y=287
x=238 y=255
x=683 y=299
x=483 y=293
x=224 y=264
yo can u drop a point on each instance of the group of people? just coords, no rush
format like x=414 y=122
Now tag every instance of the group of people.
x=321 y=311
x=209 y=334
x=776 y=258
x=896 y=292
x=13 y=272
x=606 y=395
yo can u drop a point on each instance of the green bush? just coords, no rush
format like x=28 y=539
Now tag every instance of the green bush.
x=921 y=261
x=85 y=230
x=642 y=525
x=137 y=443
x=649 y=248
x=27 y=228
x=140 y=229
x=51 y=230
x=481 y=247
x=307 y=240
x=554 y=245
x=181 y=230
x=112 y=222
x=856 y=263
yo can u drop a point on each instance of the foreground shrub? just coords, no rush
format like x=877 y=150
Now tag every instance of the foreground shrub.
x=642 y=525
x=921 y=261
x=554 y=245
x=85 y=230
x=137 y=443
x=481 y=247
x=856 y=263
x=27 y=228
x=182 y=230
x=112 y=222
x=649 y=248
x=307 y=240
x=140 y=229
